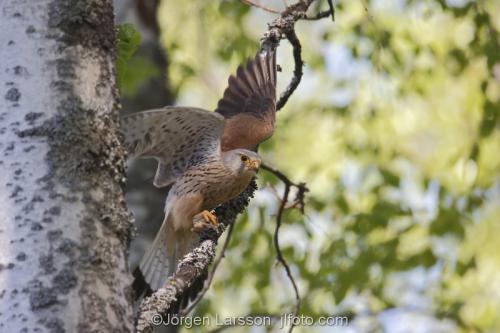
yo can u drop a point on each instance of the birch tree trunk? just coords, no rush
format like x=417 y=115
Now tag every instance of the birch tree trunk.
x=64 y=228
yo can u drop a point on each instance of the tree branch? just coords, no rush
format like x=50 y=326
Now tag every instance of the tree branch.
x=323 y=14
x=297 y=72
x=320 y=15
x=299 y=201
x=210 y=277
x=284 y=27
x=192 y=266
x=267 y=9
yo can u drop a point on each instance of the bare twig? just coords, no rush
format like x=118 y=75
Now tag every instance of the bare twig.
x=301 y=187
x=267 y=9
x=297 y=72
x=323 y=14
x=280 y=257
x=299 y=200
x=319 y=16
x=210 y=277
x=284 y=27
x=332 y=10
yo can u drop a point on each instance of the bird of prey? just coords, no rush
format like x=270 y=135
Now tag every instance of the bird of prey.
x=208 y=157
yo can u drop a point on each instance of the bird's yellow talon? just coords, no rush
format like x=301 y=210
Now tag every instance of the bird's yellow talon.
x=209 y=217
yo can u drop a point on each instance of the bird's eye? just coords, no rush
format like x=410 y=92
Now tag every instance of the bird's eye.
x=244 y=158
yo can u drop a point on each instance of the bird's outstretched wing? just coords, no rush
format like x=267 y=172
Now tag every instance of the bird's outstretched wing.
x=249 y=103
x=178 y=137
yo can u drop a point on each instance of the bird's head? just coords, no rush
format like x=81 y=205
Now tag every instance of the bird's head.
x=242 y=161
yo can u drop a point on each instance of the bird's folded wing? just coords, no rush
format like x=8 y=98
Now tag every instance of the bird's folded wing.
x=178 y=137
x=250 y=99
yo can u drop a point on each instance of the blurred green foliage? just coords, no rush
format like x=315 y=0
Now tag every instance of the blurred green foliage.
x=395 y=129
x=131 y=70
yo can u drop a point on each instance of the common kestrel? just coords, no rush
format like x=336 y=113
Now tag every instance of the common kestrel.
x=207 y=156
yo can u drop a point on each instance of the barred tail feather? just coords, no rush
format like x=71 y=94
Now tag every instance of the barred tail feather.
x=160 y=261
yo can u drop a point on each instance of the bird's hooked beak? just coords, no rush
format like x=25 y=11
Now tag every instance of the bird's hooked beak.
x=253 y=165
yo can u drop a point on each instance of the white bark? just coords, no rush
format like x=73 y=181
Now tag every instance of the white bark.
x=63 y=226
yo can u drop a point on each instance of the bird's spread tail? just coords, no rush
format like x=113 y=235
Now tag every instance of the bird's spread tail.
x=160 y=261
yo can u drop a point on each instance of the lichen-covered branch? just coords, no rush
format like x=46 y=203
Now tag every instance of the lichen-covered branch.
x=210 y=277
x=193 y=266
x=190 y=269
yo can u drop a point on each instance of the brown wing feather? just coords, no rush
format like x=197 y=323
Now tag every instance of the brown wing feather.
x=249 y=104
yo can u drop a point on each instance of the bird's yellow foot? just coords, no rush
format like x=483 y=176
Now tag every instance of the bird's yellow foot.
x=203 y=221
x=209 y=217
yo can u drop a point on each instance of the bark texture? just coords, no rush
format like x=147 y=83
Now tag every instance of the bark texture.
x=64 y=227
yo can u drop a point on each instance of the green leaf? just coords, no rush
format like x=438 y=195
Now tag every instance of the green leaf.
x=139 y=69
x=127 y=42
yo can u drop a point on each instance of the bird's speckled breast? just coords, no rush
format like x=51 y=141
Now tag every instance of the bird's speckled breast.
x=230 y=187
x=214 y=181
